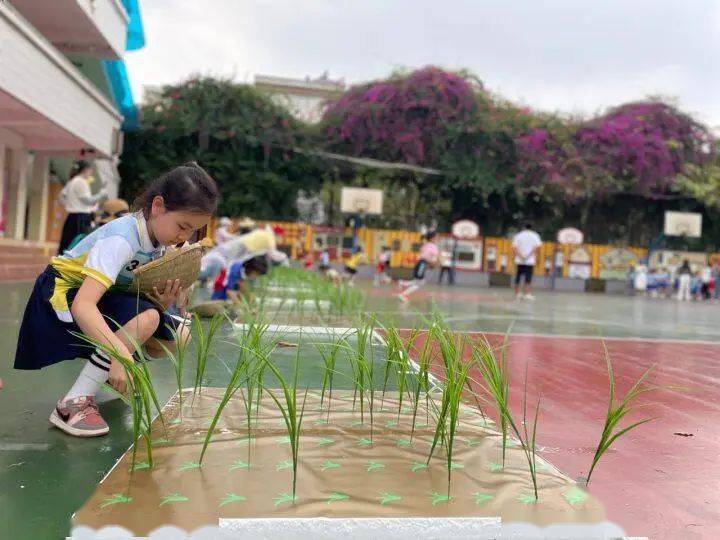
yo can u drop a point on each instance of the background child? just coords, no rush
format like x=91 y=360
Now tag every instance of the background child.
x=383 y=265
x=352 y=263
x=235 y=279
x=429 y=254
x=86 y=290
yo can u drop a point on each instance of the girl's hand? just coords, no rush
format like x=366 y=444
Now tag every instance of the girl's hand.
x=118 y=377
x=183 y=298
x=170 y=294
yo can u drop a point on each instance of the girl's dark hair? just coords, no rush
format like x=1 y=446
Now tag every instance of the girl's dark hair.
x=257 y=264
x=187 y=187
x=79 y=166
x=430 y=235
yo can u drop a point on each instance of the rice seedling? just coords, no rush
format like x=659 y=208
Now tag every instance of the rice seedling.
x=497 y=384
x=422 y=383
x=292 y=414
x=497 y=381
x=617 y=410
x=456 y=374
x=237 y=377
x=398 y=360
x=177 y=359
x=329 y=360
x=203 y=346
x=140 y=397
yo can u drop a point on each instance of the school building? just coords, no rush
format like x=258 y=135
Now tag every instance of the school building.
x=64 y=95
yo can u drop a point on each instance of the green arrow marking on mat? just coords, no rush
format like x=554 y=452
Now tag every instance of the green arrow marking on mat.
x=176 y=421
x=481 y=498
x=328 y=465
x=406 y=410
x=364 y=442
x=383 y=409
x=391 y=424
x=418 y=466
x=283 y=440
x=473 y=442
x=437 y=498
x=189 y=465
x=284 y=498
x=494 y=467
x=231 y=498
x=387 y=498
x=337 y=497
x=321 y=421
x=404 y=443
x=374 y=466
x=239 y=464
x=325 y=441
x=116 y=498
x=140 y=465
x=173 y=498
x=162 y=440
x=282 y=465
x=527 y=499
x=455 y=465
x=575 y=496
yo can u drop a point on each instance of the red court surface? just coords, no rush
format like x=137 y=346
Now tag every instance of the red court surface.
x=659 y=481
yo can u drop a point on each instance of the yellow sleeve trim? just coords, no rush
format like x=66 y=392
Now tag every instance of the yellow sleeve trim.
x=97 y=276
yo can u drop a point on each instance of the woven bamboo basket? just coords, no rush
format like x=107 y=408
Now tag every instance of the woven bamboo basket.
x=182 y=264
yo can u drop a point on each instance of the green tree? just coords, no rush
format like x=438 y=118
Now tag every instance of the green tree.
x=245 y=141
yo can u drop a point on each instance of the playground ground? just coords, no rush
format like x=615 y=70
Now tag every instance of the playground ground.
x=655 y=482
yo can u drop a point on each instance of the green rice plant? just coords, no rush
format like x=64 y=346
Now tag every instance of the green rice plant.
x=329 y=360
x=203 y=346
x=177 y=359
x=140 y=396
x=454 y=383
x=617 y=409
x=238 y=376
x=292 y=415
x=528 y=442
x=368 y=367
x=422 y=382
x=496 y=381
x=398 y=360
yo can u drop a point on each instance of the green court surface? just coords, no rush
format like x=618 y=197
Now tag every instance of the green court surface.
x=46 y=475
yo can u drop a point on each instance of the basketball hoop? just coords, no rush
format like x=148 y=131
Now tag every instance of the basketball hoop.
x=361 y=201
x=465 y=229
x=683 y=224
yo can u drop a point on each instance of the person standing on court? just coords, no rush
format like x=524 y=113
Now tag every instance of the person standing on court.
x=79 y=203
x=525 y=246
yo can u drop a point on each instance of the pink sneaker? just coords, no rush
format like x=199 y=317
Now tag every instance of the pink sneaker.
x=79 y=417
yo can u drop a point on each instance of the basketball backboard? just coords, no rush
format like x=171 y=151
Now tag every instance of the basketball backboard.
x=361 y=200
x=688 y=224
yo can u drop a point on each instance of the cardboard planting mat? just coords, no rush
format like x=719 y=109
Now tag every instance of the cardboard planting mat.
x=341 y=473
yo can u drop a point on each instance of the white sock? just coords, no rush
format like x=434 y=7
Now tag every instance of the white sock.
x=92 y=377
x=411 y=289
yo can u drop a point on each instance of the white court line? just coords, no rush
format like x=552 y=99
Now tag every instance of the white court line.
x=598 y=338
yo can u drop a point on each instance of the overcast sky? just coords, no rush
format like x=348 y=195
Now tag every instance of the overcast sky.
x=572 y=56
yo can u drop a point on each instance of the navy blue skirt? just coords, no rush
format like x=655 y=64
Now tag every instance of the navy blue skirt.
x=45 y=340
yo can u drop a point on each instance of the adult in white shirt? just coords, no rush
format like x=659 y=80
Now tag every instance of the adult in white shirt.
x=525 y=246
x=79 y=203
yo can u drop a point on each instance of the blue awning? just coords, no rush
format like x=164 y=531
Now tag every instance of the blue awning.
x=116 y=72
x=135 y=33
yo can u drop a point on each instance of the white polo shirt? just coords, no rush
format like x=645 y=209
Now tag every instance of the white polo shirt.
x=525 y=244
